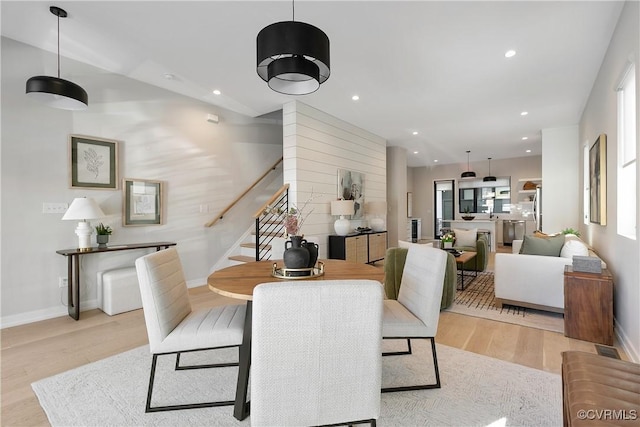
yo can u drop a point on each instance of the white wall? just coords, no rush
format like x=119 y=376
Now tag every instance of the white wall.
x=397 y=189
x=163 y=136
x=621 y=254
x=560 y=187
x=315 y=146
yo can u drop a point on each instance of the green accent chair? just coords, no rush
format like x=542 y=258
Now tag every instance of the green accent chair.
x=394 y=264
x=479 y=263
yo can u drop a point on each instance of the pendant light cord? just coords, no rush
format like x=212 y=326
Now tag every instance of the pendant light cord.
x=58 y=45
x=293 y=7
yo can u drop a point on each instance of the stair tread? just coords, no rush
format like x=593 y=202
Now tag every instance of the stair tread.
x=270 y=234
x=253 y=245
x=242 y=258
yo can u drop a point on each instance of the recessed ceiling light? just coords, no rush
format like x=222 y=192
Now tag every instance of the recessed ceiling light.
x=435 y=161
x=528 y=151
x=524 y=138
x=415 y=132
x=524 y=113
x=216 y=92
x=509 y=53
x=415 y=152
x=355 y=97
x=169 y=76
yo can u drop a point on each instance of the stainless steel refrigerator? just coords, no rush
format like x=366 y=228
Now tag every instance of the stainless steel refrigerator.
x=537 y=208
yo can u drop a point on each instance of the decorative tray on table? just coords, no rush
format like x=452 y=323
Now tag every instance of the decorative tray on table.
x=298 y=273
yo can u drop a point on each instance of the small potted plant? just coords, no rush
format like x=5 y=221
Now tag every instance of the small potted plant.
x=447 y=240
x=571 y=231
x=103 y=232
x=467 y=214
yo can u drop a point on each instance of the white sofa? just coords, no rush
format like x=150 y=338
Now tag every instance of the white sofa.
x=535 y=281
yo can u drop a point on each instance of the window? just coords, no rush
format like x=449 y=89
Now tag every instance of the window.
x=626 y=208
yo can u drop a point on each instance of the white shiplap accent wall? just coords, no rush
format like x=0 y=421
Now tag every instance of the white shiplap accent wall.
x=315 y=146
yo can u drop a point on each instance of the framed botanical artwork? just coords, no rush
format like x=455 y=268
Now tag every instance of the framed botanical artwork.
x=351 y=187
x=142 y=202
x=94 y=162
x=598 y=181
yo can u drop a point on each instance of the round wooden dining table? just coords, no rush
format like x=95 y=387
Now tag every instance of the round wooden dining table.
x=238 y=282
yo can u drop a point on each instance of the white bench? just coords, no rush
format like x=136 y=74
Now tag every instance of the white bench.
x=118 y=290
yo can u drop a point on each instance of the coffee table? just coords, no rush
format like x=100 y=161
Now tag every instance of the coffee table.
x=461 y=260
x=238 y=282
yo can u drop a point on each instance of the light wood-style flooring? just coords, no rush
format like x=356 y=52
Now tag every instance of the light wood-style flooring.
x=42 y=349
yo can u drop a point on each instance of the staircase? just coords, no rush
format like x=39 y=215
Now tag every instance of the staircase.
x=268 y=234
x=248 y=249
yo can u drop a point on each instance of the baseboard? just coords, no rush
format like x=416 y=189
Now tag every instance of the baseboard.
x=59 y=311
x=626 y=343
x=44 y=314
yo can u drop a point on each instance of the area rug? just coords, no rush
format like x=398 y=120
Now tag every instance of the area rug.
x=476 y=391
x=478 y=300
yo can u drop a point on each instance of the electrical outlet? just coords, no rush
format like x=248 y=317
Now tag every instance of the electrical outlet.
x=63 y=282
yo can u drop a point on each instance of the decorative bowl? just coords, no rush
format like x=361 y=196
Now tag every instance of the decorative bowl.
x=468 y=217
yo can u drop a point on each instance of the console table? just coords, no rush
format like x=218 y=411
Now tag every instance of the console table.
x=364 y=248
x=73 y=268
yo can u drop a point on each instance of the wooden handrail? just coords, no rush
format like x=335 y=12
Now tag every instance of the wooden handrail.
x=271 y=200
x=232 y=204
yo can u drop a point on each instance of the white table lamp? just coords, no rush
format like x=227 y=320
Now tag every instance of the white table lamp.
x=342 y=226
x=377 y=208
x=82 y=209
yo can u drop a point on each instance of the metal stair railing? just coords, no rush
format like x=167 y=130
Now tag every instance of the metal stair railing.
x=268 y=223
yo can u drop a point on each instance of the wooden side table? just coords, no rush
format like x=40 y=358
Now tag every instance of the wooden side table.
x=588 y=306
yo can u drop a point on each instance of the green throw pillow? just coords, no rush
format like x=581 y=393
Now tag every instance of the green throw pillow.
x=547 y=246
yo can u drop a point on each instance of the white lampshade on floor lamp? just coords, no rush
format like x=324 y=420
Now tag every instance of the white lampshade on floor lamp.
x=83 y=209
x=377 y=208
x=342 y=226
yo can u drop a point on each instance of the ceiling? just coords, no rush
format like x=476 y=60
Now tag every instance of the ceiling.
x=436 y=68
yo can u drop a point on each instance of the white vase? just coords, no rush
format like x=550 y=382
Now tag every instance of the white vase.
x=447 y=245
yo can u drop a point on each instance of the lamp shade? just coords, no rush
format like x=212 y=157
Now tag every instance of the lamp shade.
x=54 y=91
x=293 y=57
x=57 y=93
x=489 y=178
x=342 y=207
x=468 y=173
x=83 y=208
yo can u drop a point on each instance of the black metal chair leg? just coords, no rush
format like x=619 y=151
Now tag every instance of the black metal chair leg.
x=400 y=353
x=435 y=361
x=148 y=407
x=151 y=379
x=420 y=387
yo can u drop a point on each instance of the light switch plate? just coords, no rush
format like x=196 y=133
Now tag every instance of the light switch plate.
x=54 y=208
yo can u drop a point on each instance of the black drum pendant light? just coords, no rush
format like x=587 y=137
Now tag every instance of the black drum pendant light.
x=468 y=173
x=293 y=57
x=54 y=91
x=489 y=177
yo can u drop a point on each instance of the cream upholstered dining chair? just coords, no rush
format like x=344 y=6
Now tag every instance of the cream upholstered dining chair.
x=416 y=312
x=316 y=352
x=172 y=326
